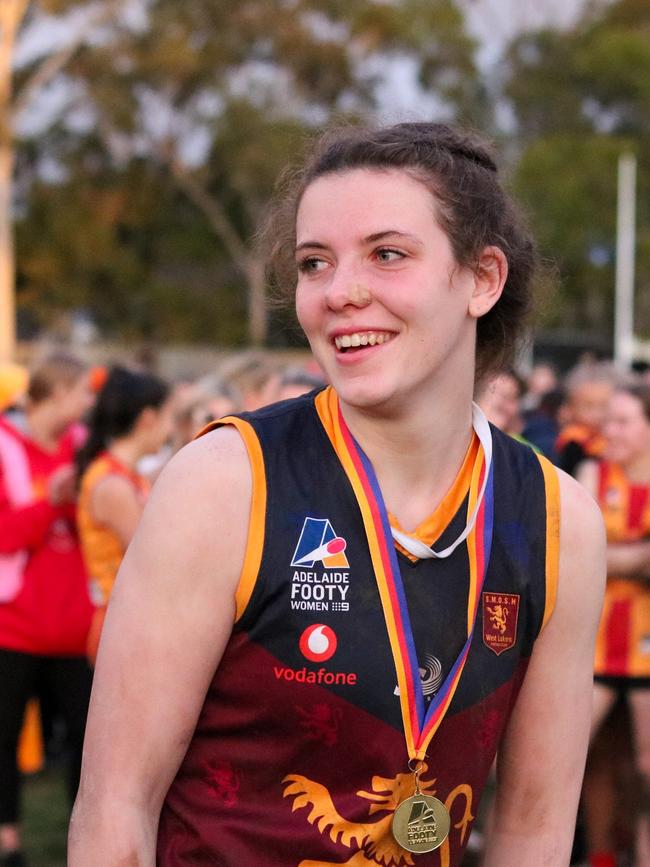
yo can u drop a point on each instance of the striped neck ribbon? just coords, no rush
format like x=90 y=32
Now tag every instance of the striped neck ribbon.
x=420 y=722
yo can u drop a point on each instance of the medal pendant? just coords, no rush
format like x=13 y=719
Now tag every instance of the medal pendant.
x=421 y=823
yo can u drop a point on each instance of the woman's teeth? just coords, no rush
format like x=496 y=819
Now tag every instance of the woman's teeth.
x=361 y=338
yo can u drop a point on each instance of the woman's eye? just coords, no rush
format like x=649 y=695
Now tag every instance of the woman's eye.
x=386 y=254
x=311 y=265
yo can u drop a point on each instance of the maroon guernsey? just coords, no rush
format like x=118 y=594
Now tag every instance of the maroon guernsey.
x=299 y=757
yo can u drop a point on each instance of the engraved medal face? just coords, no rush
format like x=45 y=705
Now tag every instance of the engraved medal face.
x=421 y=823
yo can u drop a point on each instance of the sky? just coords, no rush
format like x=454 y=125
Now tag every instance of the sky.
x=495 y=22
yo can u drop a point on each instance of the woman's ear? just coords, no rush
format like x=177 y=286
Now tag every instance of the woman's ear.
x=489 y=279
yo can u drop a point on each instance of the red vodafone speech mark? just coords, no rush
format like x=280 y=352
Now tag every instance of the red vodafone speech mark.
x=318 y=643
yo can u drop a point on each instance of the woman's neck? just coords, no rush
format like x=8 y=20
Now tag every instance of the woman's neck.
x=44 y=426
x=127 y=450
x=416 y=455
x=637 y=470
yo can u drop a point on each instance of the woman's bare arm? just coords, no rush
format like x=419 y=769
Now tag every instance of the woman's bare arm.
x=541 y=761
x=170 y=617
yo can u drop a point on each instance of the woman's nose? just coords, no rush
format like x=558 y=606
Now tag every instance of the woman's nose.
x=348 y=289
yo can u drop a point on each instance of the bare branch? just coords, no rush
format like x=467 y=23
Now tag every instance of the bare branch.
x=12 y=13
x=212 y=209
x=54 y=63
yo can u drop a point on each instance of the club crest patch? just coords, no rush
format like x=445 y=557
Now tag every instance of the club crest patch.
x=500 y=615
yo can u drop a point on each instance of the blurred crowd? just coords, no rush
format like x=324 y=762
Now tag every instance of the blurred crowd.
x=80 y=448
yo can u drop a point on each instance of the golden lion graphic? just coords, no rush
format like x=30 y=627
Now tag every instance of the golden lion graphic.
x=498 y=617
x=373 y=841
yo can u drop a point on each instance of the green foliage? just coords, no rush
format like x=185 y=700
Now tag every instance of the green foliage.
x=46 y=815
x=128 y=248
x=569 y=187
x=581 y=98
x=150 y=224
x=250 y=80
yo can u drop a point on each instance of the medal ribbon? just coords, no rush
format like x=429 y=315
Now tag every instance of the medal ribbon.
x=420 y=723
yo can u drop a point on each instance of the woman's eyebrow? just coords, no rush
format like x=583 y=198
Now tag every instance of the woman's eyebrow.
x=312 y=245
x=370 y=239
x=380 y=236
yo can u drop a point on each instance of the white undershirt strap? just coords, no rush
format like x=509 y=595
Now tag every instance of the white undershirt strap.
x=416 y=547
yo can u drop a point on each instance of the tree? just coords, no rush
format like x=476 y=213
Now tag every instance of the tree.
x=580 y=98
x=15 y=100
x=11 y=14
x=219 y=95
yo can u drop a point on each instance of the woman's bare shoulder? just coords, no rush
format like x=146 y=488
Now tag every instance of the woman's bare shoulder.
x=197 y=515
x=214 y=464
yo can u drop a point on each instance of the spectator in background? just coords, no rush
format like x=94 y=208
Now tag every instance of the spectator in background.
x=205 y=401
x=132 y=418
x=589 y=388
x=295 y=381
x=45 y=609
x=499 y=397
x=621 y=485
x=541 y=380
x=542 y=424
x=253 y=379
x=642 y=369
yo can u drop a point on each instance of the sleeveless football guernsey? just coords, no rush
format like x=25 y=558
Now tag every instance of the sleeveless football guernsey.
x=299 y=755
x=623 y=642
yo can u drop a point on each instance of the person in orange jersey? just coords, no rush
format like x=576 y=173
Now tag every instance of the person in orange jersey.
x=278 y=684
x=621 y=485
x=131 y=418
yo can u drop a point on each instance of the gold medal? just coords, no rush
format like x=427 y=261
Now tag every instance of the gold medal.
x=421 y=823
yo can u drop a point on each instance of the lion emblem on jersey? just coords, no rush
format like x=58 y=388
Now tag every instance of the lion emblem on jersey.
x=372 y=842
x=499 y=617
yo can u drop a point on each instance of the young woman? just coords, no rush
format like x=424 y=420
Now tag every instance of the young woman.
x=281 y=683
x=621 y=485
x=45 y=608
x=131 y=418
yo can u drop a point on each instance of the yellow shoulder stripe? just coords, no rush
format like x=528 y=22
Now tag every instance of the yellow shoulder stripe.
x=552 y=486
x=257 y=519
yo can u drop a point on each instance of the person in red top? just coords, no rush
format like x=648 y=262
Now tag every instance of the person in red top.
x=45 y=609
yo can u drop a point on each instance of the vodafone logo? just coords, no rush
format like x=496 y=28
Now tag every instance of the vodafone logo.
x=318 y=643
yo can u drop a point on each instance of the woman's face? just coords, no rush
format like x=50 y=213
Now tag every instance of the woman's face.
x=626 y=428
x=73 y=401
x=376 y=270
x=157 y=425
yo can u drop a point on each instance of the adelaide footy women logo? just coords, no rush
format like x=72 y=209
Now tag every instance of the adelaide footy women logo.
x=318 y=643
x=319 y=543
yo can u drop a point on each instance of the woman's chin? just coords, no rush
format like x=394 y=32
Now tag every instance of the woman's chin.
x=365 y=395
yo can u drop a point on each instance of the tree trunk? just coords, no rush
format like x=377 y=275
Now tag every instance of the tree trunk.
x=11 y=14
x=257 y=318
x=7 y=303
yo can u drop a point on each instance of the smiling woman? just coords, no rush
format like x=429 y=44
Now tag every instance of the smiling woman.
x=271 y=649
x=470 y=206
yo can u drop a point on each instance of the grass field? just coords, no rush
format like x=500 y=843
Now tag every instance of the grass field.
x=45 y=810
